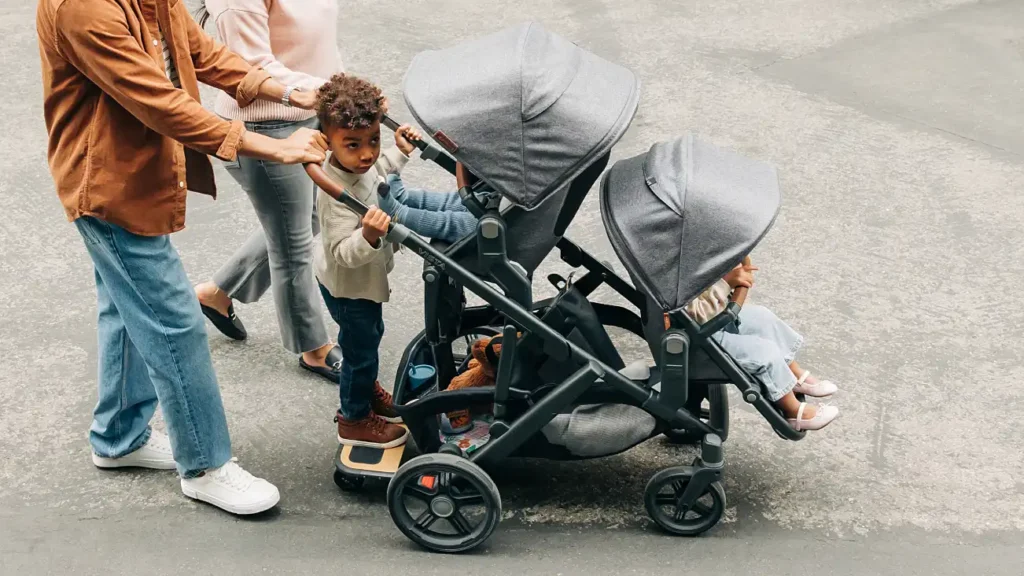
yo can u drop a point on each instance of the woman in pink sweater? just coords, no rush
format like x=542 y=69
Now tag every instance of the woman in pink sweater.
x=296 y=42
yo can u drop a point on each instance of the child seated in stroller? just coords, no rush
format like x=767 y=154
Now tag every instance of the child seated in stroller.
x=766 y=346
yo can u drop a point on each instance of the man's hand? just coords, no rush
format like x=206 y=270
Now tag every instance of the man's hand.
x=303 y=146
x=404 y=138
x=375 y=225
x=303 y=99
x=742 y=275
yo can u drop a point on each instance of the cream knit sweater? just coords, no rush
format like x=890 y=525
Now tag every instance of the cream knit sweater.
x=295 y=41
x=347 y=265
x=710 y=303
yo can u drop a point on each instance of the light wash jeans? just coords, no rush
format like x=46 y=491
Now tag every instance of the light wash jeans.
x=152 y=347
x=438 y=215
x=278 y=254
x=763 y=345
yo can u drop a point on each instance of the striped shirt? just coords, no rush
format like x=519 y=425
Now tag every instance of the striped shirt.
x=169 y=67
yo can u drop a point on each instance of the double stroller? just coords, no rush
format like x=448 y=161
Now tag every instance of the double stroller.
x=526 y=121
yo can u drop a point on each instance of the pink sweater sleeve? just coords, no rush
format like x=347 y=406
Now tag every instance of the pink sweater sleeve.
x=246 y=25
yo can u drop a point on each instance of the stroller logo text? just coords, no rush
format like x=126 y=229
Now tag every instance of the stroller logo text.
x=446 y=142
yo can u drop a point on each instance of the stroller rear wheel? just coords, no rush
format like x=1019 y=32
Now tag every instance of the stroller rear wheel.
x=444 y=503
x=663 y=500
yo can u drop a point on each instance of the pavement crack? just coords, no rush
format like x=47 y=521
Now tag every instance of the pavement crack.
x=879 y=452
x=957 y=135
x=773 y=62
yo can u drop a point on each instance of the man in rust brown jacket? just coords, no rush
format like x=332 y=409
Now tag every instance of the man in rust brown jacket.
x=128 y=138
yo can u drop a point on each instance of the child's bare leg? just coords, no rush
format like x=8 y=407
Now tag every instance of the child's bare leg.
x=809 y=385
x=798 y=371
x=790 y=406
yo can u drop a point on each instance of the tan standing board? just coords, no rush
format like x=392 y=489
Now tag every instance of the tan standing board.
x=379 y=460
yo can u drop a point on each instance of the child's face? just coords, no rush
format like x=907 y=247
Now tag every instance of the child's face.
x=356 y=150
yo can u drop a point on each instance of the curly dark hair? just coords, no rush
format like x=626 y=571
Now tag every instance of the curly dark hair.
x=348 y=102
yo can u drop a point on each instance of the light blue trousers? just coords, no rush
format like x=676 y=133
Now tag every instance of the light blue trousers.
x=763 y=345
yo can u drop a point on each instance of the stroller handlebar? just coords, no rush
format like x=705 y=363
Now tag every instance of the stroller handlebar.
x=739 y=295
x=334 y=190
x=427 y=151
x=391 y=123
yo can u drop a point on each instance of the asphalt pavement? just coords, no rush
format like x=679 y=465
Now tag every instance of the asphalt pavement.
x=898 y=131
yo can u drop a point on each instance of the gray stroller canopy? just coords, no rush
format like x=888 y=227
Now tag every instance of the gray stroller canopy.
x=685 y=213
x=526 y=109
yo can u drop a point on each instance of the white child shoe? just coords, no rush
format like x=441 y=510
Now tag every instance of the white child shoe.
x=823 y=417
x=819 y=389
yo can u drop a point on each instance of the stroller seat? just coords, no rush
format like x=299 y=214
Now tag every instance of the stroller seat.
x=532 y=234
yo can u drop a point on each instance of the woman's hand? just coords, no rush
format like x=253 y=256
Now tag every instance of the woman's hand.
x=302 y=99
x=404 y=138
x=375 y=225
x=303 y=146
x=742 y=275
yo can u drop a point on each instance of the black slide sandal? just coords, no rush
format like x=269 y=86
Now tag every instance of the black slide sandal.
x=229 y=325
x=333 y=370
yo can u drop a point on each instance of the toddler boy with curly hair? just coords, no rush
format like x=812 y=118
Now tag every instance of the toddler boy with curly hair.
x=352 y=269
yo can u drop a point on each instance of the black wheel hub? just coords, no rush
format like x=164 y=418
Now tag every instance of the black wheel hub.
x=443 y=507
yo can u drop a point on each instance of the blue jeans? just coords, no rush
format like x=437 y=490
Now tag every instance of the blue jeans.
x=279 y=253
x=152 y=347
x=439 y=215
x=763 y=345
x=360 y=329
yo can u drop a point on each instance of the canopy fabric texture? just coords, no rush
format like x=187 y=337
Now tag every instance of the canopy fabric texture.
x=685 y=213
x=524 y=109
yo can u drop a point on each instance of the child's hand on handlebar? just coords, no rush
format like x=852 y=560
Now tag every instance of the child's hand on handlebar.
x=742 y=275
x=375 y=225
x=404 y=138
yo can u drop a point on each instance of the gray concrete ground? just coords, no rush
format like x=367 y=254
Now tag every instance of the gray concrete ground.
x=897 y=127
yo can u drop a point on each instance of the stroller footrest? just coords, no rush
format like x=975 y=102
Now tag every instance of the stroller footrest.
x=366 y=461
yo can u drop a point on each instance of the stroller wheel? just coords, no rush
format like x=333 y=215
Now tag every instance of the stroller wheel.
x=444 y=503
x=348 y=482
x=662 y=495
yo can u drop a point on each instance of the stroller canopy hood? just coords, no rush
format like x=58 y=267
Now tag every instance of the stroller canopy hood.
x=524 y=109
x=685 y=213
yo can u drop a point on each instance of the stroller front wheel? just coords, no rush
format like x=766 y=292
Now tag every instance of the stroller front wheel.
x=663 y=500
x=444 y=503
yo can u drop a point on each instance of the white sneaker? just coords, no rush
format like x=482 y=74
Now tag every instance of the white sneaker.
x=820 y=389
x=233 y=489
x=155 y=454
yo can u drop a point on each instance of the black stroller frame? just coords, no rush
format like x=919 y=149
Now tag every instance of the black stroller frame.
x=456 y=478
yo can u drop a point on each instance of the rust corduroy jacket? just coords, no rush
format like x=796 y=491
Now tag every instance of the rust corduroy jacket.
x=125 y=145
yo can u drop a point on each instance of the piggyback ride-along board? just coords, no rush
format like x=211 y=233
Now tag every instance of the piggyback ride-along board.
x=366 y=461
